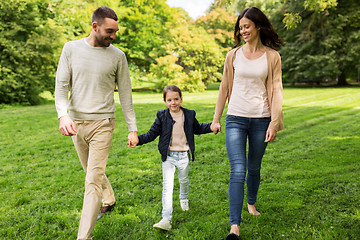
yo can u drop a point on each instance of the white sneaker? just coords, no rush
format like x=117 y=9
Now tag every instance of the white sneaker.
x=184 y=203
x=164 y=224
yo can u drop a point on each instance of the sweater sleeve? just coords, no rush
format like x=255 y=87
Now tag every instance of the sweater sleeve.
x=277 y=118
x=125 y=93
x=224 y=89
x=63 y=79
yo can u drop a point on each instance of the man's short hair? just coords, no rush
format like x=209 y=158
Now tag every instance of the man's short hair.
x=103 y=12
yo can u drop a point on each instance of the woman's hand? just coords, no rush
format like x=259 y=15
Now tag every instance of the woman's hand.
x=270 y=135
x=215 y=127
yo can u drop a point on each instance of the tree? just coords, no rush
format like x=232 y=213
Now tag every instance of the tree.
x=73 y=17
x=324 y=46
x=219 y=24
x=167 y=72
x=29 y=50
x=344 y=39
x=198 y=55
x=143 y=30
x=291 y=19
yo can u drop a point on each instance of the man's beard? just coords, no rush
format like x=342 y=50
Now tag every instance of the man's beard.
x=103 y=41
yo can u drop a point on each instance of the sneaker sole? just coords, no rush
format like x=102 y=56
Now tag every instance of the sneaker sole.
x=165 y=229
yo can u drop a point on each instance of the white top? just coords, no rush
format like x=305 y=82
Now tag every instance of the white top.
x=249 y=97
x=91 y=73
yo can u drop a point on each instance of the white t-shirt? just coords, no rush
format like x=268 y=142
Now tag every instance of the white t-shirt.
x=249 y=97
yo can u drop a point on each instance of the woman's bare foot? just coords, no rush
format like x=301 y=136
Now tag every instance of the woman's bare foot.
x=252 y=210
x=235 y=229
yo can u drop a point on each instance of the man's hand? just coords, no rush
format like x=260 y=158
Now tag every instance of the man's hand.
x=270 y=135
x=67 y=126
x=215 y=127
x=133 y=139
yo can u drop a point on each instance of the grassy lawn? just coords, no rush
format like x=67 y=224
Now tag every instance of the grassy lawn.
x=310 y=187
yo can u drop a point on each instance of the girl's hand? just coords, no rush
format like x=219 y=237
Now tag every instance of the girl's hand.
x=215 y=127
x=270 y=135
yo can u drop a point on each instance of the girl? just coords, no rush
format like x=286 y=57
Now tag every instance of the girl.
x=176 y=127
x=252 y=83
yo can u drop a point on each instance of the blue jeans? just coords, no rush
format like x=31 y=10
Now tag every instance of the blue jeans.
x=237 y=131
x=179 y=160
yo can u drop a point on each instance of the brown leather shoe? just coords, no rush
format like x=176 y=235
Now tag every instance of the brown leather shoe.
x=105 y=209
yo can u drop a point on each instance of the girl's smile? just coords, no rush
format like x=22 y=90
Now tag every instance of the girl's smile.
x=173 y=101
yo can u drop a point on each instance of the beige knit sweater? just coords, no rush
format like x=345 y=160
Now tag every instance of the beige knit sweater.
x=91 y=73
x=273 y=87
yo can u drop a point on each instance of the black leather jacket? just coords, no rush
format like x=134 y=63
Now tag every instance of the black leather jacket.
x=163 y=126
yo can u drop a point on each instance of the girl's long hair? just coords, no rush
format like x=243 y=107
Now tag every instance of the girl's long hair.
x=267 y=34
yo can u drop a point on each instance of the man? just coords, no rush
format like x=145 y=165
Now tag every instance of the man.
x=90 y=68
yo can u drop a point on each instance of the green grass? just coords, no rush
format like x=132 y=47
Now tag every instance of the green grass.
x=310 y=187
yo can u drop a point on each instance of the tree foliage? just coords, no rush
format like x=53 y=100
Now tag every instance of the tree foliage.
x=190 y=51
x=291 y=19
x=73 y=17
x=29 y=43
x=325 y=46
x=143 y=30
x=219 y=24
x=165 y=46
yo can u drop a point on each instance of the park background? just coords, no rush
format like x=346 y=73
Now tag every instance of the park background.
x=310 y=181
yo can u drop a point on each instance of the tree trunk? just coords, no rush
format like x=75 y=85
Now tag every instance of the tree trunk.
x=342 y=79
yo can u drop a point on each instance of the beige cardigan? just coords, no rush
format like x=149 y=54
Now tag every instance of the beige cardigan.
x=273 y=87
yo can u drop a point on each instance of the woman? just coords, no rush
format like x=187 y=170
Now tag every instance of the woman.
x=252 y=83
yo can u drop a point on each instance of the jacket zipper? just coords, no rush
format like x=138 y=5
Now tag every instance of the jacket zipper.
x=173 y=122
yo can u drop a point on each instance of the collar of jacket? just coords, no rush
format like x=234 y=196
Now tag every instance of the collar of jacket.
x=167 y=112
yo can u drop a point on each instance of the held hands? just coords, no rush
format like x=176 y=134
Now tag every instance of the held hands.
x=270 y=135
x=67 y=126
x=215 y=127
x=133 y=139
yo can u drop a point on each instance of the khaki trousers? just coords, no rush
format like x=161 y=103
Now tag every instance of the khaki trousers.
x=92 y=143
